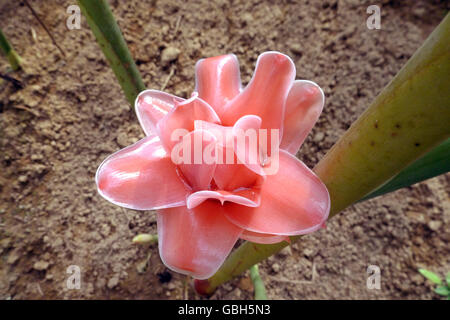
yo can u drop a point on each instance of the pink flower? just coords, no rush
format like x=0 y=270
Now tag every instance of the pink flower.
x=204 y=208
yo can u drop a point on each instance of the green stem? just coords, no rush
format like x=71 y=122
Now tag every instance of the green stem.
x=111 y=41
x=258 y=284
x=407 y=119
x=433 y=164
x=12 y=56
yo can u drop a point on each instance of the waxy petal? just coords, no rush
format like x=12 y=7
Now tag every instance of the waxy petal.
x=223 y=135
x=141 y=177
x=245 y=197
x=303 y=107
x=151 y=106
x=218 y=80
x=234 y=176
x=293 y=201
x=263 y=238
x=266 y=93
x=196 y=241
x=242 y=140
x=182 y=118
x=195 y=157
x=247 y=142
x=230 y=174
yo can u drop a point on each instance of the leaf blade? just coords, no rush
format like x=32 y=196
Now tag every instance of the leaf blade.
x=433 y=277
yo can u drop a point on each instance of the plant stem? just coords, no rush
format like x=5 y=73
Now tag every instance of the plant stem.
x=12 y=56
x=111 y=41
x=258 y=284
x=407 y=119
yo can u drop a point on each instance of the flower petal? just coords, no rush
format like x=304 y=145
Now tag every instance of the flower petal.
x=247 y=142
x=195 y=157
x=229 y=173
x=151 y=106
x=246 y=197
x=218 y=80
x=263 y=238
x=266 y=93
x=196 y=241
x=141 y=177
x=234 y=176
x=303 y=107
x=183 y=117
x=293 y=201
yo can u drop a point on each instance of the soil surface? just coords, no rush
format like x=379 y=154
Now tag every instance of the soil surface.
x=71 y=113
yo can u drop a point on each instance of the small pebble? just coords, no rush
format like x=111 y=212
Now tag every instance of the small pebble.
x=122 y=139
x=169 y=54
x=296 y=48
x=114 y=281
x=41 y=265
x=435 y=225
x=276 y=267
x=319 y=136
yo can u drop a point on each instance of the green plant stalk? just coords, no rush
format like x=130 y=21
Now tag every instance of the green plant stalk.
x=107 y=32
x=12 y=56
x=434 y=163
x=406 y=120
x=258 y=284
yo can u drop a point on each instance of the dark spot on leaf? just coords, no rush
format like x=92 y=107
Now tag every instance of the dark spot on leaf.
x=376 y=124
x=394 y=134
x=397 y=125
x=372 y=143
x=417 y=144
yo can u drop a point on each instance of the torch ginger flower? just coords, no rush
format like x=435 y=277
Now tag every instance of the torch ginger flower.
x=203 y=208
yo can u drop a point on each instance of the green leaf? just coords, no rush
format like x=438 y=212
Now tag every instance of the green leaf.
x=447 y=278
x=443 y=291
x=12 y=56
x=433 y=277
x=107 y=32
x=433 y=164
x=258 y=284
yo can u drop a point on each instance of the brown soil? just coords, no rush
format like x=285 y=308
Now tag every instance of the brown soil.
x=71 y=114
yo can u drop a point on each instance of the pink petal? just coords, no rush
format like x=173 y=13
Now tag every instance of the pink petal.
x=247 y=142
x=195 y=157
x=293 y=201
x=196 y=241
x=266 y=93
x=263 y=238
x=151 y=106
x=218 y=80
x=245 y=197
x=303 y=107
x=223 y=135
x=234 y=176
x=141 y=177
x=229 y=174
x=183 y=117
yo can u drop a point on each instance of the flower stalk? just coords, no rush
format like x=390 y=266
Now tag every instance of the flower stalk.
x=406 y=120
x=107 y=32
x=12 y=56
